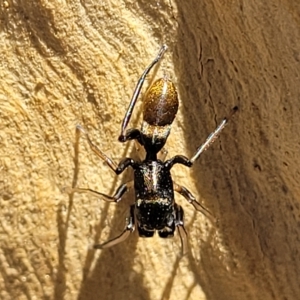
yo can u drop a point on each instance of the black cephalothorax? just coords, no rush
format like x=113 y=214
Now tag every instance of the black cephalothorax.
x=154 y=208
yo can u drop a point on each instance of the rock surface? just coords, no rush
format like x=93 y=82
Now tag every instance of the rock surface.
x=70 y=62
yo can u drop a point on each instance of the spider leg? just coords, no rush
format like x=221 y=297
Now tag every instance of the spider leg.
x=129 y=228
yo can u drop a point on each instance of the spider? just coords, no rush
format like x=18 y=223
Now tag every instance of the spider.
x=154 y=208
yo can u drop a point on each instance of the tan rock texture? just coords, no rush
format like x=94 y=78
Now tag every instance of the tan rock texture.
x=64 y=63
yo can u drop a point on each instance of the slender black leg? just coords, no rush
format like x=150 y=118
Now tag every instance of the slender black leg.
x=117 y=197
x=130 y=226
x=133 y=134
x=126 y=162
x=190 y=198
x=124 y=136
x=179 y=223
x=180 y=159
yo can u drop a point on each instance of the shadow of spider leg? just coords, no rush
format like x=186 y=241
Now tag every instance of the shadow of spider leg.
x=80 y=130
x=130 y=225
x=118 y=169
x=129 y=228
x=122 y=189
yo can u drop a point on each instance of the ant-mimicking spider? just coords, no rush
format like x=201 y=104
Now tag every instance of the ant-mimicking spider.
x=154 y=208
